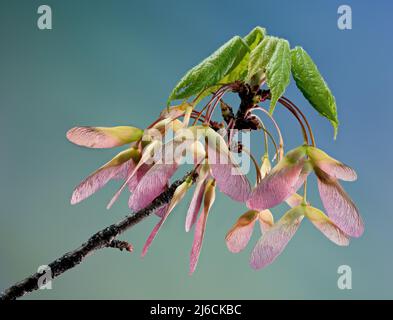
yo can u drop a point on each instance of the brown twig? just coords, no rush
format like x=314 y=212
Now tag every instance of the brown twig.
x=102 y=239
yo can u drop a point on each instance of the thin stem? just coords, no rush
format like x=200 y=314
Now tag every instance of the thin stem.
x=281 y=146
x=265 y=132
x=304 y=118
x=265 y=136
x=197 y=113
x=218 y=99
x=293 y=111
x=203 y=109
x=257 y=170
x=221 y=91
x=274 y=143
x=224 y=85
x=155 y=122
x=197 y=118
x=230 y=131
x=193 y=116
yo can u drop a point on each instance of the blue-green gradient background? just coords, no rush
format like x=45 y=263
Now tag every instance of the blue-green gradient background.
x=114 y=63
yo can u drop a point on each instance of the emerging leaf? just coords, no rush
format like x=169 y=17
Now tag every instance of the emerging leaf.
x=314 y=88
x=240 y=71
x=259 y=59
x=252 y=40
x=271 y=61
x=278 y=72
x=255 y=37
x=211 y=70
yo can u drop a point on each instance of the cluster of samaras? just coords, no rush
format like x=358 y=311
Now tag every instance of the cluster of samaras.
x=146 y=167
x=242 y=65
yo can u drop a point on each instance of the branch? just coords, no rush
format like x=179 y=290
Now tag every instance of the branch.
x=102 y=239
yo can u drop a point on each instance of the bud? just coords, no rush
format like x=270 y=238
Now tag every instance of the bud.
x=266 y=166
x=209 y=195
x=226 y=111
x=179 y=194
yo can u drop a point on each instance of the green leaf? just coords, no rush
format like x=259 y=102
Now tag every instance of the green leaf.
x=239 y=73
x=255 y=37
x=259 y=59
x=278 y=72
x=211 y=70
x=314 y=88
x=270 y=61
x=252 y=39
